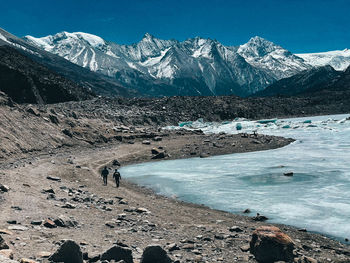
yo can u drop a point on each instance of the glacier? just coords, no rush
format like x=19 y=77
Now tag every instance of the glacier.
x=316 y=197
x=338 y=59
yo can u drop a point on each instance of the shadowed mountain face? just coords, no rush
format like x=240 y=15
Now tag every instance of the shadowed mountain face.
x=90 y=81
x=307 y=81
x=26 y=81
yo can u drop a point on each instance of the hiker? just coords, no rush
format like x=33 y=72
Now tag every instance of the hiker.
x=104 y=174
x=116 y=177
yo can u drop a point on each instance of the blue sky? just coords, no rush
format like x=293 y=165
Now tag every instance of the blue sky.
x=298 y=25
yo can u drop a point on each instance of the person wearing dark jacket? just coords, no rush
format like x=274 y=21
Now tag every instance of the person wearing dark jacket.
x=116 y=177
x=104 y=174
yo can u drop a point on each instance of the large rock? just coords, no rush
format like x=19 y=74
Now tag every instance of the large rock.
x=3 y=244
x=4 y=188
x=64 y=221
x=270 y=244
x=68 y=252
x=160 y=155
x=155 y=254
x=118 y=253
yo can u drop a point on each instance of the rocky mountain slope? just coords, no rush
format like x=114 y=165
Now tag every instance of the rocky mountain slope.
x=26 y=81
x=90 y=81
x=311 y=80
x=323 y=83
x=196 y=66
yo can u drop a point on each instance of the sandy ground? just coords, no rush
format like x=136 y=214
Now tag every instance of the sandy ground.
x=107 y=215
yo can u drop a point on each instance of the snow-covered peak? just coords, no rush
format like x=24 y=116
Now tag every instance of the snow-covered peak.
x=271 y=57
x=93 y=40
x=147 y=36
x=66 y=38
x=257 y=47
x=338 y=59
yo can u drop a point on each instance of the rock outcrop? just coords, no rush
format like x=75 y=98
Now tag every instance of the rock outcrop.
x=118 y=253
x=270 y=244
x=68 y=252
x=155 y=254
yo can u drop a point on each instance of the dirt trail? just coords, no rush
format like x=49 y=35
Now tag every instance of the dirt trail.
x=106 y=215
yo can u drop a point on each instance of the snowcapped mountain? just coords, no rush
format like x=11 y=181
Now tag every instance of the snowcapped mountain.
x=196 y=66
x=97 y=83
x=338 y=59
x=274 y=59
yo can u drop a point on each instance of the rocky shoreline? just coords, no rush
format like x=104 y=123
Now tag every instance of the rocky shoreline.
x=58 y=195
x=51 y=189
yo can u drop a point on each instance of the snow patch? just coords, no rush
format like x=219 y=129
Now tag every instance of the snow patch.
x=3 y=38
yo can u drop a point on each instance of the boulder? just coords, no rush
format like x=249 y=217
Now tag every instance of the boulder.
x=33 y=111
x=270 y=244
x=259 y=217
x=141 y=210
x=235 y=229
x=4 y=188
x=146 y=142
x=160 y=155
x=48 y=190
x=49 y=223
x=67 y=133
x=68 y=206
x=157 y=139
x=173 y=247
x=68 y=252
x=54 y=119
x=116 y=162
x=53 y=178
x=155 y=254
x=155 y=151
x=118 y=253
x=64 y=221
x=36 y=222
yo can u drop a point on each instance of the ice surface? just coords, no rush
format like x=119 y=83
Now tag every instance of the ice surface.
x=316 y=197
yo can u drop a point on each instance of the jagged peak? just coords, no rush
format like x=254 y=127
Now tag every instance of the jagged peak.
x=260 y=41
x=147 y=36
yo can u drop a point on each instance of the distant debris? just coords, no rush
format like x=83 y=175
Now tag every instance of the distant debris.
x=53 y=178
x=259 y=217
x=288 y=174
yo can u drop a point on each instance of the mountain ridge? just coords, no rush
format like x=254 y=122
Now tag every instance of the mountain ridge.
x=205 y=63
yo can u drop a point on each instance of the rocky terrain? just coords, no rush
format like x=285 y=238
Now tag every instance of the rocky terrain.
x=26 y=81
x=51 y=189
x=32 y=128
x=322 y=83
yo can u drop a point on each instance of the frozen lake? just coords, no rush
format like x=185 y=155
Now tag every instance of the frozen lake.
x=317 y=197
